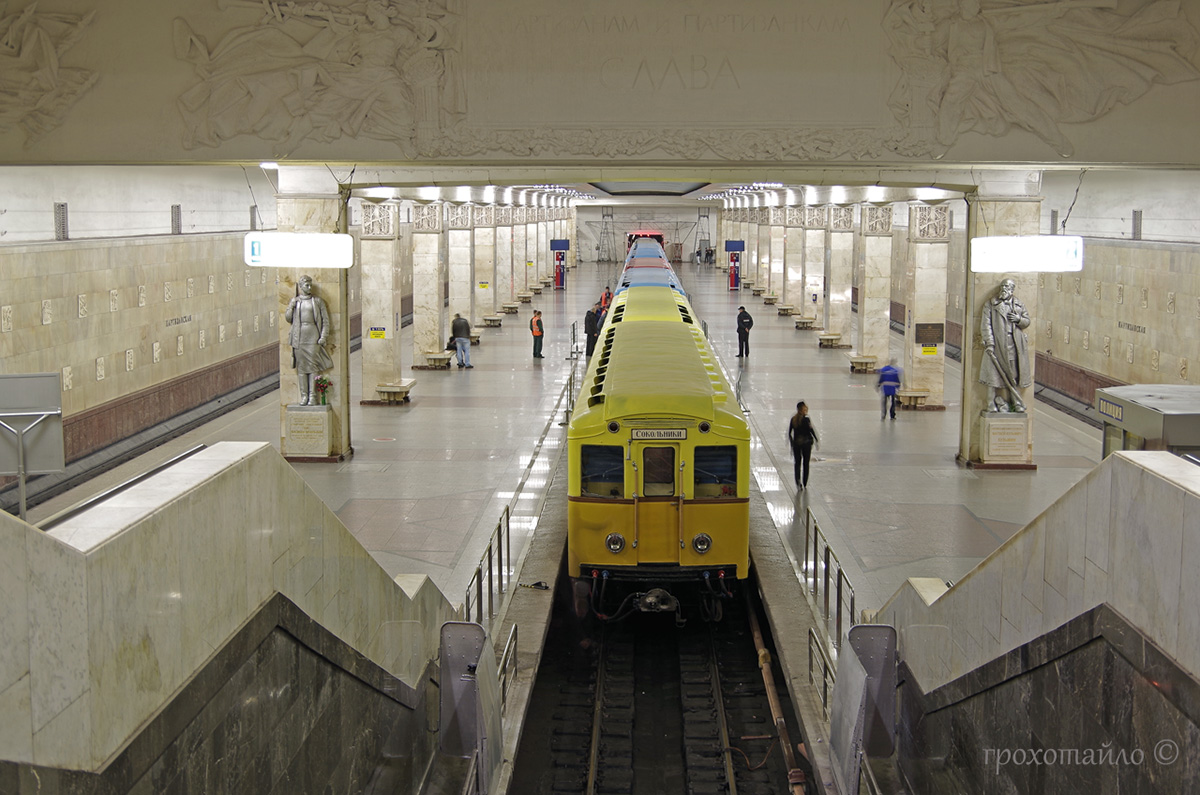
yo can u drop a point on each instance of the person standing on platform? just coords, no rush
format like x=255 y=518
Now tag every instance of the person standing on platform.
x=888 y=385
x=606 y=298
x=460 y=329
x=802 y=436
x=591 y=327
x=535 y=326
x=744 y=324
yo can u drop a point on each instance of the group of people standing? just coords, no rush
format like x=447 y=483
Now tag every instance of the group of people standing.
x=705 y=256
x=594 y=320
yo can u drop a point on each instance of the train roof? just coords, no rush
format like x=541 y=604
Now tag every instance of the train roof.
x=648 y=303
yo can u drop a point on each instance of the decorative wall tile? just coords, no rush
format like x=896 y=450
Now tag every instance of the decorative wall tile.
x=220 y=332
x=1120 y=293
x=47 y=317
x=1098 y=290
x=128 y=360
x=246 y=279
x=1129 y=352
x=485 y=215
x=814 y=217
x=1050 y=330
x=239 y=328
x=112 y=300
x=191 y=287
x=1087 y=339
x=1058 y=282
x=1183 y=369
x=6 y=316
x=166 y=292
x=427 y=217
x=67 y=378
x=1145 y=297
x=204 y=340
x=1066 y=335
x=212 y=284
x=81 y=304
x=141 y=295
x=256 y=324
x=932 y=222
x=378 y=220
x=263 y=278
x=1078 y=286
x=100 y=369
x=1041 y=281
x=156 y=352
x=1154 y=361
x=179 y=345
x=1107 y=349
x=229 y=282
x=272 y=318
x=1170 y=303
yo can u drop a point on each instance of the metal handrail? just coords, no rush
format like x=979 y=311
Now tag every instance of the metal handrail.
x=80 y=507
x=508 y=660
x=493 y=567
x=841 y=585
x=828 y=674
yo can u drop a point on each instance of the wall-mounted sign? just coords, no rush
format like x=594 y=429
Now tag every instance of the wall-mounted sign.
x=483 y=285
x=659 y=433
x=735 y=245
x=1027 y=254
x=929 y=333
x=377 y=333
x=307 y=250
x=560 y=245
x=929 y=350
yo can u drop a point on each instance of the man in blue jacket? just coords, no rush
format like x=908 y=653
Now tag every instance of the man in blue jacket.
x=888 y=385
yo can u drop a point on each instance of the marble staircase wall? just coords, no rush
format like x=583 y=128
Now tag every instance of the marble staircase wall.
x=1127 y=535
x=106 y=616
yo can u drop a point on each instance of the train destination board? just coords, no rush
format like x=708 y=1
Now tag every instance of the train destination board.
x=659 y=433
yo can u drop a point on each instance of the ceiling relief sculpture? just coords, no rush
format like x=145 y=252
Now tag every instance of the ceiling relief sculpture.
x=36 y=88
x=297 y=72
x=986 y=67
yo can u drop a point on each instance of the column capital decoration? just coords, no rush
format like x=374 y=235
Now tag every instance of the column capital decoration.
x=931 y=222
x=795 y=216
x=543 y=214
x=841 y=219
x=764 y=216
x=484 y=215
x=877 y=220
x=460 y=216
x=815 y=218
x=378 y=220
x=504 y=216
x=778 y=216
x=427 y=218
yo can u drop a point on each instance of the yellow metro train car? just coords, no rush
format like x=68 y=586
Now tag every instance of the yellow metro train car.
x=658 y=460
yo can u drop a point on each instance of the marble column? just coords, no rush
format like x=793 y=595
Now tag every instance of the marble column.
x=924 y=361
x=815 y=265
x=460 y=261
x=720 y=232
x=793 y=258
x=428 y=278
x=875 y=290
x=776 y=246
x=531 y=247
x=484 y=275
x=383 y=249
x=763 y=249
x=506 y=293
x=315 y=432
x=542 y=244
x=841 y=272
x=990 y=438
x=750 y=235
x=570 y=229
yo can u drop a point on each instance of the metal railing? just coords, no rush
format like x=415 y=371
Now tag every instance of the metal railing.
x=507 y=666
x=491 y=577
x=819 y=571
x=828 y=673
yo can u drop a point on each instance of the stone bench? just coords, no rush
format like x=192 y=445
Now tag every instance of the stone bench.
x=546 y=281
x=805 y=323
x=474 y=337
x=770 y=299
x=861 y=364
x=525 y=297
x=391 y=392
x=510 y=309
x=756 y=291
x=493 y=321
x=785 y=310
x=438 y=360
x=536 y=289
x=829 y=340
x=912 y=398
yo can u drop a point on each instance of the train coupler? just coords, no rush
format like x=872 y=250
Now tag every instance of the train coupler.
x=656 y=600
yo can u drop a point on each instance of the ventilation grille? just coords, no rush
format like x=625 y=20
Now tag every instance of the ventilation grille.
x=596 y=390
x=1054 y=222
x=253 y=217
x=1137 y=224
x=60 y=221
x=176 y=219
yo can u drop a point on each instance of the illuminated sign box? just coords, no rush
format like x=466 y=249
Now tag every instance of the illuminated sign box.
x=307 y=250
x=1027 y=254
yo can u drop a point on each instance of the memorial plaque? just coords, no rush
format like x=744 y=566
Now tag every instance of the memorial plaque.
x=929 y=333
x=1006 y=438
x=309 y=431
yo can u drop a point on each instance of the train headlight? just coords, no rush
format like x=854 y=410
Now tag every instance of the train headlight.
x=615 y=542
x=614 y=426
x=702 y=543
x=705 y=427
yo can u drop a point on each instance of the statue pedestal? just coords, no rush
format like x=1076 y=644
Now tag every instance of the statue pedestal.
x=1006 y=440
x=308 y=433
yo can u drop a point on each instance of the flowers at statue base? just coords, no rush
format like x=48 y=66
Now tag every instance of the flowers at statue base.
x=321 y=384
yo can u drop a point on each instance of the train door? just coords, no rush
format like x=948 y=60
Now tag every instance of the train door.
x=658 y=502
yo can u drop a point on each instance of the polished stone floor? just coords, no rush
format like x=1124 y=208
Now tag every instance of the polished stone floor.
x=429 y=480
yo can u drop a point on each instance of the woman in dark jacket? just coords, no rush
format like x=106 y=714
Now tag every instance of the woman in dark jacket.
x=802 y=436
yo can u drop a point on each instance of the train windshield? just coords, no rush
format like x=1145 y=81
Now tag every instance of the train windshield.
x=602 y=470
x=658 y=479
x=715 y=472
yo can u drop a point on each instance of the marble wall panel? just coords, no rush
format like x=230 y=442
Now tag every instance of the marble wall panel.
x=504 y=289
x=793 y=287
x=814 y=274
x=485 y=302
x=460 y=272
x=762 y=257
x=520 y=233
x=1187 y=650
x=841 y=272
x=777 y=257
x=428 y=325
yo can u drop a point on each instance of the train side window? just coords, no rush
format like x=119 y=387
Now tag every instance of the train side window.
x=601 y=470
x=658 y=478
x=715 y=472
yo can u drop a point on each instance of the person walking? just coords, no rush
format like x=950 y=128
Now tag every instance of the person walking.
x=460 y=330
x=591 y=327
x=803 y=437
x=535 y=326
x=744 y=324
x=888 y=385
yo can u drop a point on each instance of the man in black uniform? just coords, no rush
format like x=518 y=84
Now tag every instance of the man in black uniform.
x=591 y=327
x=744 y=324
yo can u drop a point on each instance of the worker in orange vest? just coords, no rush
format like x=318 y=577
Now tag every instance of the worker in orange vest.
x=606 y=299
x=535 y=326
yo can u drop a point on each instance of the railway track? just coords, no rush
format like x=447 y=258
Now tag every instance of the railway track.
x=648 y=707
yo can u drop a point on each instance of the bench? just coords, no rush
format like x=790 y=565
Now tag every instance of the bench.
x=861 y=364
x=510 y=309
x=829 y=340
x=805 y=323
x=525 y=297
x=536 y=289
x=770 y=299
x=756 y=291
x=912 y=398
x=493 y=321
x=785 y=310
x=546 y=281
x=474 y=337
x=438 y=360
x=391 y=392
